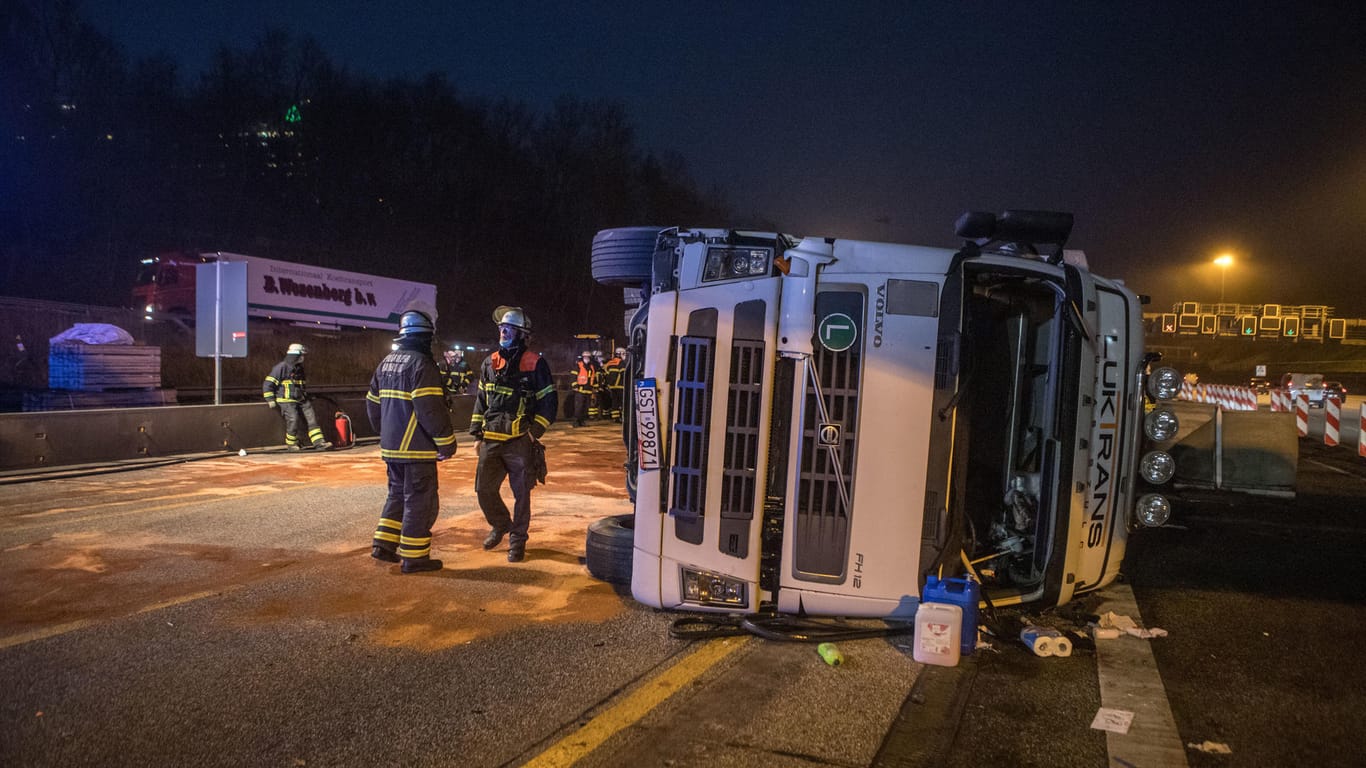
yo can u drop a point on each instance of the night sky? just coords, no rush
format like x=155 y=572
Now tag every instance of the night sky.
x=1173 y=132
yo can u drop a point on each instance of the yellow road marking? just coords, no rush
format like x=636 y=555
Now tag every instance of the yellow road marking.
x=636 y=706
x=72 y=626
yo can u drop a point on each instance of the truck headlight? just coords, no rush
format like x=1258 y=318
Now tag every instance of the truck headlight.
x=1164 y=383
x=705 y=588
x=1153 y=510
x=1157 y=467
x=1161 y=424
x=728 y=263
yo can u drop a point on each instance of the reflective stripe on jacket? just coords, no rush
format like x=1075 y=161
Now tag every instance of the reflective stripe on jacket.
x=285 y=383
x=516 y=396
x=407 y=406
x=614 y=371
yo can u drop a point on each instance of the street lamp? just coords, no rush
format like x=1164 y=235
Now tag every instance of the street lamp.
x=1223 y=261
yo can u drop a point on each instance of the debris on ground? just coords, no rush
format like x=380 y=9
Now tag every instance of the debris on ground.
x=1125 y=624
x=1113 y=720
x=1210 y=747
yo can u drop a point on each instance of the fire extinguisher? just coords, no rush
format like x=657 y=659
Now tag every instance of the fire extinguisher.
x=344 y=436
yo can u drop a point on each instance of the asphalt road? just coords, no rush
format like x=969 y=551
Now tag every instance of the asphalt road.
x=226 y=612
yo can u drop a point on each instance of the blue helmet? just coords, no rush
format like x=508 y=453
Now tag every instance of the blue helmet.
x=412 y=323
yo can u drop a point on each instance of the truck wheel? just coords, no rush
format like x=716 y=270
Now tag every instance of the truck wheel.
x=610 y=544
x=622 y=256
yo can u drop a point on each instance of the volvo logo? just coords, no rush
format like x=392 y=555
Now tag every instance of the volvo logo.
x=829 y=435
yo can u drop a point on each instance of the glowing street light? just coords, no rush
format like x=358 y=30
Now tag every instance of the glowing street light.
x=1223 y=261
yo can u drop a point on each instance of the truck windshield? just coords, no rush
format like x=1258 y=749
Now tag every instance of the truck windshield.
x=1010 y=427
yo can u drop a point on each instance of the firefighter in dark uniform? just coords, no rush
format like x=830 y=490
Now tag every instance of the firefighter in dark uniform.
x=406 y=405
x=455 y=373
x=614 y=376
x=585 y=387
x=515 y=403
x=284 y=388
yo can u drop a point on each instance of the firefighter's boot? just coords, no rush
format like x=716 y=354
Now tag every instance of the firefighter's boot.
x=516 y=552
x=494 y=538
x=421 y=566
x=379 y=553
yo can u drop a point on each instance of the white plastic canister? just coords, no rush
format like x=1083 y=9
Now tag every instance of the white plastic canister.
x=938 y=628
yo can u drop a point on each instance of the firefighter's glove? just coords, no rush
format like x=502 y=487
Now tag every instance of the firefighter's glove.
x=445 y=452
x=536 y=430
x=272 y=404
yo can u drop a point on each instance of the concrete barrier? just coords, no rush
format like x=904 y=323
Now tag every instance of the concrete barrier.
x=41 y=440
x=1247 y=451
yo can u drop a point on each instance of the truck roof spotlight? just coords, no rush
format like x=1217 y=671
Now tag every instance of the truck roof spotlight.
x=1157 y=467
x=1161 y=424
x=1153 y=510
x=1164 y=383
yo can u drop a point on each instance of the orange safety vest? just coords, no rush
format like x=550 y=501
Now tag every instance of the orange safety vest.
x=585 y=376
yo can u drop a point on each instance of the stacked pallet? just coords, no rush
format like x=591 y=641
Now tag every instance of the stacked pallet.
x=102 y=367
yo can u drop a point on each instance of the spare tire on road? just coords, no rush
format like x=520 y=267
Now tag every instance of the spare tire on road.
x=611 y=541
x=622 y=256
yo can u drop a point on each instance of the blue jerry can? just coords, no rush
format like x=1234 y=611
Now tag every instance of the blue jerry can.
x=963 y=593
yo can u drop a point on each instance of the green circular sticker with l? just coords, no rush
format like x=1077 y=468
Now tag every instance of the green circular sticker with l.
x=837 y=332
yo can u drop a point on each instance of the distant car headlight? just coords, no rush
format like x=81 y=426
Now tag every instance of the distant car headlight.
x=1157 y=467
x=706 y=588
x=1153 y=510
x=1164 y=383
x=1161 y=424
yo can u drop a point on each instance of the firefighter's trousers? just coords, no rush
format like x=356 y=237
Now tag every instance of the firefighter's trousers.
x=297 y=415
x=511 y=460
x=405 y=525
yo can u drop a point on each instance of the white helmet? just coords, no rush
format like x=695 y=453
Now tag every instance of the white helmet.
x=513 y=316
x=296 y=349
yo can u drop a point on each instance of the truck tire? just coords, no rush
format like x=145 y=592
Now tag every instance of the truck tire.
x=611 y=541
x=622 y=256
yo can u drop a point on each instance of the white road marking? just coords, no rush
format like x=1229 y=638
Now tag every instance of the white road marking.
x=1129 y=680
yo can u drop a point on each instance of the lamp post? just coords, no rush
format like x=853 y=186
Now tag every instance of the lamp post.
x=1223 y=261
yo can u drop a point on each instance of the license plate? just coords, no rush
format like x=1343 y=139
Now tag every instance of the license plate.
x=647 y=424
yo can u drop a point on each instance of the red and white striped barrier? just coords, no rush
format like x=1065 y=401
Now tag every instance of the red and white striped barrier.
x=1332 y=416
x=1361 y=433
x=1280 y=401
x=1302 y=415
x=1227 y=397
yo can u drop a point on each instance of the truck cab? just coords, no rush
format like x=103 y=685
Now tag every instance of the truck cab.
x=821 y=423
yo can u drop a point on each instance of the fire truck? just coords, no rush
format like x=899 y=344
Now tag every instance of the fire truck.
x=819 y=424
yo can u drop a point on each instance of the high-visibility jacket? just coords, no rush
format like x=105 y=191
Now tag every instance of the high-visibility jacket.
x=614 y=373
x=516 y=396
x=285 y=383
x=407 y=406
x=455 y=376
x=586 y=376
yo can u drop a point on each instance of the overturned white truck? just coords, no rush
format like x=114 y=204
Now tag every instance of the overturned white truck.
x=819 y=424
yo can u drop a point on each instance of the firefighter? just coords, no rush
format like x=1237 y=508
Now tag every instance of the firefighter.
x=586 y=374
x=405 y=404
x=614 y=376
x=455 y=373
x=284 y=388
x=601 y=396
x=514 y=404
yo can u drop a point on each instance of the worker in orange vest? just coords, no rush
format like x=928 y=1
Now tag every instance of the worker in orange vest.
x=586 y=375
